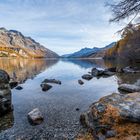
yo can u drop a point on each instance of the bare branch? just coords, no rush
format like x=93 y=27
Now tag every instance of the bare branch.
x=124 y=9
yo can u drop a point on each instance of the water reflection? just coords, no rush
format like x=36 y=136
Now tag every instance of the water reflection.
x=19 y=70
x=23 y=69
x=100 y=63
x=86 y=63
x=120 y=64
x=129 y=78
x=58 y=104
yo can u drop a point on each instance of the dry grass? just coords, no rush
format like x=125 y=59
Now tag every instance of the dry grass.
x=86 y=136
x=111 y=115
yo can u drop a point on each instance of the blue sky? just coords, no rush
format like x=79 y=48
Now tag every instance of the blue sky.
x=63 y=26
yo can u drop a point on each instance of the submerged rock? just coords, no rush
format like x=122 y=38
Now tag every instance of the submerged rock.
x=129 y=88
x=96 y=72
x=19 y=88
x=52 y=81
x=87 y=76
x=35 y=117
x=106 y=72
x=80 y=82
x=114 y=115
x=77 y=109
x=45 y=87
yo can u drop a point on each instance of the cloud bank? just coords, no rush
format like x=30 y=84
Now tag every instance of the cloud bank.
x=63 y=26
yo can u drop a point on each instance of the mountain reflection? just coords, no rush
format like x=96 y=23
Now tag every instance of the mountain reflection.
x=86 y=63
x=23 y=69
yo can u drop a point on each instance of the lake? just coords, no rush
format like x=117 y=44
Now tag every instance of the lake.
x=58 y=105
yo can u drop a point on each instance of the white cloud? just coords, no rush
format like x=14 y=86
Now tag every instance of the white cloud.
x=63 y=26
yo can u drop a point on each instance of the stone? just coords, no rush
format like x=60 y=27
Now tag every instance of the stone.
x=13 y=84
x=129 y=88
x=112 y=69
x=129 y=69
x=118 y=112
x=5 y=106
x=96 y=72
x=4 y=77
x=45 y=87
x=77 y=109
x=52 y=81
x=80 y=82
x=19 y=88
x=83 y=120
x=5 y=94
x=119 y=70
x=87 y=76
x=101 y=137
x=35 y=117
x=108 y=73
x=110 y=133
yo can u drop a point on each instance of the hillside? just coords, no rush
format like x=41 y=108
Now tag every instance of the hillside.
x=14 y=44
x=89 y=52
x=85 y=52
x=102 y=51
x=128 y=47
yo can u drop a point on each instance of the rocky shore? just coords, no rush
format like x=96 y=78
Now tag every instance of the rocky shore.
x=5 y=93
x=116 y=116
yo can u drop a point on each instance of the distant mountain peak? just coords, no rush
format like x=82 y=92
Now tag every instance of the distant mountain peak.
x=86 y=52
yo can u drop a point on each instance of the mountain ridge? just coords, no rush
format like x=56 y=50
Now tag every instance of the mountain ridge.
x=14 y=43
x=87 y=52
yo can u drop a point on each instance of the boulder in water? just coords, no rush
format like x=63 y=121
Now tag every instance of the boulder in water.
x=80 y=82
x=45 y=87
x=87 y=76
x=52 y=81
x=129 y=88
x=35 y=117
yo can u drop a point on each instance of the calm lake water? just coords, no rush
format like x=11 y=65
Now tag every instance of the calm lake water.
x=58 y=105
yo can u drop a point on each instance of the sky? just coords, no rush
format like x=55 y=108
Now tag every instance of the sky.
x=64 y=26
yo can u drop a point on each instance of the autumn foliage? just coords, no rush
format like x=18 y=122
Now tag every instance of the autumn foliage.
x=128 y=47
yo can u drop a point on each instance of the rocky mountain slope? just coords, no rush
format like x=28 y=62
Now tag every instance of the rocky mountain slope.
x=85 y=52
x=102 y=51
x=128 y=48
x=13 y=43
x=89 y=52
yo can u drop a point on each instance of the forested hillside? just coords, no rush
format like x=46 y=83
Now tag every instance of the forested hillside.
x=128 y=47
